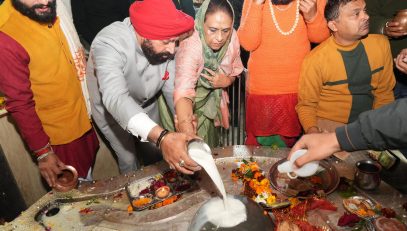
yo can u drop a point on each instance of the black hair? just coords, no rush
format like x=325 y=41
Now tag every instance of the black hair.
x=219 y=5
x=332 y=8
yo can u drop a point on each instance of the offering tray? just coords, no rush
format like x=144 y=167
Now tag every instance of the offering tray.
x=159 y=190
x=326 y=179
x=361 y=206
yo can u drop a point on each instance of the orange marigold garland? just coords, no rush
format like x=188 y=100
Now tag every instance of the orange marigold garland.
x=256 y=185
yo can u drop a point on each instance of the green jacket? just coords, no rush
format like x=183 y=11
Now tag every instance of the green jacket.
x=381 y=11
x=384 y=128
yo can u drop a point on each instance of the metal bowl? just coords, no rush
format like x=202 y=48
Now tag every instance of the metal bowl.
x=328 y=174
x=256 y=219
x=67 y=180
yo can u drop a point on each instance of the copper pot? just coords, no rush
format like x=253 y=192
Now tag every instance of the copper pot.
x=401 y=18
x=67 y=180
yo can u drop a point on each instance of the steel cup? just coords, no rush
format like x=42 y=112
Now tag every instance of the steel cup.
x=367 y=175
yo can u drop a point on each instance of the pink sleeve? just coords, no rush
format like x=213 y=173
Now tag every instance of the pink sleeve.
x=189 y=64
x=16 y=86
x=237 y=64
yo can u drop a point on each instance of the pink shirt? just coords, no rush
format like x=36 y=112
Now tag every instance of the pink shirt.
x=189 y=65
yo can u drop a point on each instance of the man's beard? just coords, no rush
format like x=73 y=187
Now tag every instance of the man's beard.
x=46 y=17
x=153 y=57
x=281 y=2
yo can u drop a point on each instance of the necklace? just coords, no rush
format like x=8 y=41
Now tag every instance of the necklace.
x=297 y=17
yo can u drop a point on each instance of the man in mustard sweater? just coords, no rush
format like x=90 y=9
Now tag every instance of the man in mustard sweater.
x=351 y=72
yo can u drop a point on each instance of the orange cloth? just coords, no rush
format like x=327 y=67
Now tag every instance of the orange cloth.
x=275 y=59
x=58 y=97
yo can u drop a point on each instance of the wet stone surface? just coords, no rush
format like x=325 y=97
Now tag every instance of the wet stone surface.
x=103 y=204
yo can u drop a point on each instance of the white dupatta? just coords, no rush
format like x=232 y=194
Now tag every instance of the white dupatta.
x=76 y=48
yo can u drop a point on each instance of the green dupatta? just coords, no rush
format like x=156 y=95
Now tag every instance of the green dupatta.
x=207 y=100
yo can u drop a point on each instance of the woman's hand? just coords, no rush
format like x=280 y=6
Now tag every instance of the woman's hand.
x=259 y=2
x=218 y=79
x=393 y=30
x=308 y=8
x=401 y=61
x=186 y=125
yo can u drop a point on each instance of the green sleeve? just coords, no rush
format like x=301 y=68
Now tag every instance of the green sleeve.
x=384 y=128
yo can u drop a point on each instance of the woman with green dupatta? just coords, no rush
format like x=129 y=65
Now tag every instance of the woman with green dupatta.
x=206 y=63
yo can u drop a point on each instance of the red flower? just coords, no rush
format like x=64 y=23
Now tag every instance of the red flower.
x=166 y=75
x=315 y=203
x=348 y=220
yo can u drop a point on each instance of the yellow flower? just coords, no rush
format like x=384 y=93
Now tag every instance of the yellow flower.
x=271 y=199
x=294 y=201
x=265 y=181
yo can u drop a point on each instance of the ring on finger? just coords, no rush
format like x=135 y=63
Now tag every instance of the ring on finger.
x=181 y=163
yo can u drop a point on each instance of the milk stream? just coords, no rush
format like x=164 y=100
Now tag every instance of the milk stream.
x=227 y=214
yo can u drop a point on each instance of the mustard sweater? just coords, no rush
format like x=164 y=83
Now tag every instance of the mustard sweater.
x=57 y=92
x=340 y=82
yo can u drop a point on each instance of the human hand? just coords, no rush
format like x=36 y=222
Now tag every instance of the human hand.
x=394 y=30
x=308 y=8
x=174 y=149
x=313 y=129
x=401 y=61
x=319 y=146
x=50 y=166
x=259 y=2
x=218 y=79
x=187 y=125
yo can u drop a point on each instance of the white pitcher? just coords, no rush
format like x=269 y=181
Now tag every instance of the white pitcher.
x=293 y=172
